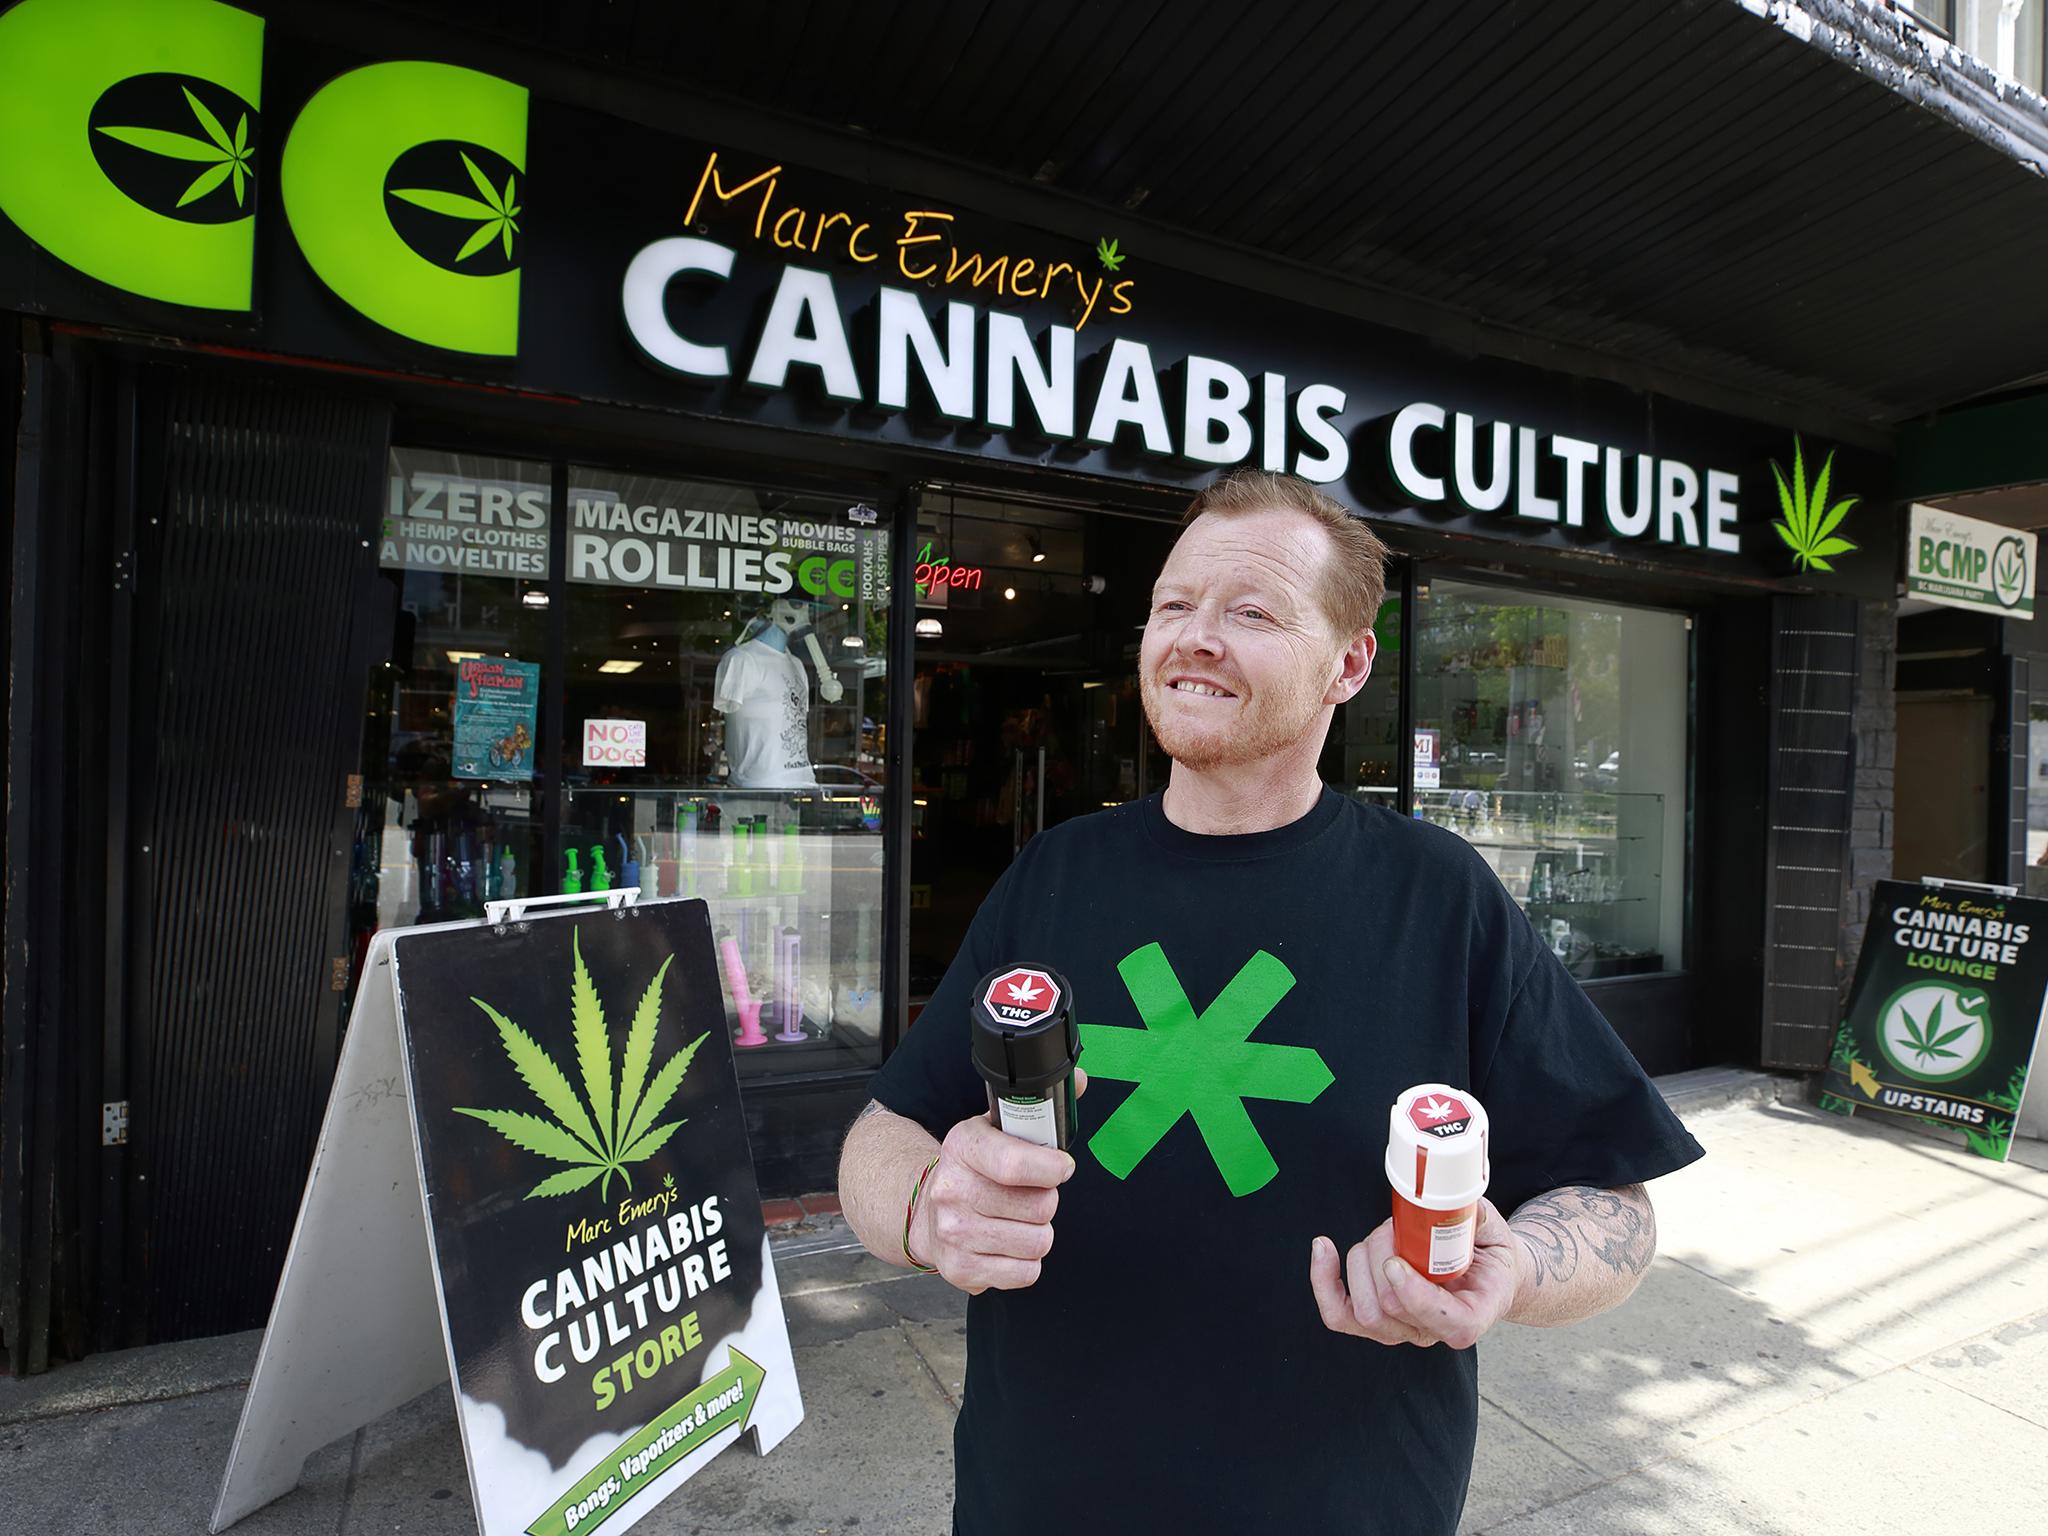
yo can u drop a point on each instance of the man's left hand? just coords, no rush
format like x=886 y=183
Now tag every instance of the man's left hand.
x=1389 y=1302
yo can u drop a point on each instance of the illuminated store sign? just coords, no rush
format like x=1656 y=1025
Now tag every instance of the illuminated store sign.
x=386 y=139
x=938 y=575
x=398 y=178
x=983 y=363
x=427 y=205
x=114 y=115
x=1496 y=467
x=921 y=245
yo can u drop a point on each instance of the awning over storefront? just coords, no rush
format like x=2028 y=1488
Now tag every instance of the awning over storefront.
x=1823 y=209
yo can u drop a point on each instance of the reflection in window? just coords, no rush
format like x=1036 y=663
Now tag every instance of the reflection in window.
x=724 y=737
x=1551 y=733
x=449 y=815
x=1361 y=756
x=2037 y=778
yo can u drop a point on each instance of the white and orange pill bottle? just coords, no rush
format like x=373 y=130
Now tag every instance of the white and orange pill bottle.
x=1437 y=1164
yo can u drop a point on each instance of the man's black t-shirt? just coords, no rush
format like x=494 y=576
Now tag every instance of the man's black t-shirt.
x=1250 y=1007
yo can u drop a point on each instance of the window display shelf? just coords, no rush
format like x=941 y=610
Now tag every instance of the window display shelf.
x=1585 y=869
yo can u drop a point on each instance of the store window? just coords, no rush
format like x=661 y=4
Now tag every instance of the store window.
x=1551 y=733
x=1362 y=754
x=450 y=811
x=2037 y=777
x=723 y=737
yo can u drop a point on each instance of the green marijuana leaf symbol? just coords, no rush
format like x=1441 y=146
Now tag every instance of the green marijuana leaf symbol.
x=1204 y=1065
x=1927 y=1040
x=498 y=210
x=1106 y=253
x=596 y=1141
x=1809 y=523
x=225 y=157
x=2010 y=571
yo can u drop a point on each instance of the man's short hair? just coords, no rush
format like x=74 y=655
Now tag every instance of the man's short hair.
x=1354 y=581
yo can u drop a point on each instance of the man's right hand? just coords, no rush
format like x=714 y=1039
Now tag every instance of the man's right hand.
x=984 y=1220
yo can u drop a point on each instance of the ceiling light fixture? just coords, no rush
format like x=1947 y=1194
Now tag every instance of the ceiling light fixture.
x=1037 y=550
x=620 y=668
x=1010 y=594
x=930 y=629
x=534 y=599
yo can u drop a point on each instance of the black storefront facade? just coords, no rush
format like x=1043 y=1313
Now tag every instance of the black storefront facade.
x=453 y=504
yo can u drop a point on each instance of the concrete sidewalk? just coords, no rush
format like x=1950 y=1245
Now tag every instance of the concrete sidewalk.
x=1846 y=1330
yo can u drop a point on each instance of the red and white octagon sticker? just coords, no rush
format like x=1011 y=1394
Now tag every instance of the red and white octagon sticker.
x=1022 y=996
x=1440 y=1114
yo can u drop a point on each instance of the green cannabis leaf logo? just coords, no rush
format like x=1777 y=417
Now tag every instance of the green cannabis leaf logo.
x=1809 y=522
x=498 y=210
x=616 y=1129
x=1106 y=253
x=225 y=157
x=2009 y=572
x=1926 y=1038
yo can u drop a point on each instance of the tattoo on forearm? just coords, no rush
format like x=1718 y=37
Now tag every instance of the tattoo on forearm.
x=1613 y=1227
x=868 y=1113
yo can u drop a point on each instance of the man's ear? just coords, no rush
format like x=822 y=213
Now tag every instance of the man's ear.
x=1354 y=667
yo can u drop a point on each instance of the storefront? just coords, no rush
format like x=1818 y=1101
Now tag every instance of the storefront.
x=747 y=530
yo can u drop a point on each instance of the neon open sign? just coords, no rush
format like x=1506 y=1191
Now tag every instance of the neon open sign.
x=932 y=574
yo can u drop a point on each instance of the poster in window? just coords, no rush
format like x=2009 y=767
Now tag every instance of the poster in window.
x=495 y=706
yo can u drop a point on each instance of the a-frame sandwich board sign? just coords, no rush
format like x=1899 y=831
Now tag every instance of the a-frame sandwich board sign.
x=533 y=1175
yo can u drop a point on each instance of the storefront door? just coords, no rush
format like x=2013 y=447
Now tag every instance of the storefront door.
x=1025 y=709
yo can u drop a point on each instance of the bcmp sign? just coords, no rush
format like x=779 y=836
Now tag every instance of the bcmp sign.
x=615 y=743
x=1963 y=562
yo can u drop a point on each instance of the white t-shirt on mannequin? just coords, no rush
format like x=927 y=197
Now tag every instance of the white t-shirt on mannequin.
x=765 y=695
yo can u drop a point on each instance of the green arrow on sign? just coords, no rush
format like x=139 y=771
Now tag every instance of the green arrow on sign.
x=727 y=1399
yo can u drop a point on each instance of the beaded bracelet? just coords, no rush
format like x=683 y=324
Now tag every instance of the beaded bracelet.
x=909 y=1210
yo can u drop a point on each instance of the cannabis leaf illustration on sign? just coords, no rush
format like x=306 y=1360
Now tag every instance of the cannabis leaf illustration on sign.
x=498 y=210
x=615 y=1129
x=1023 y=991
x=224 y=156
x=1810 y=523
x=1928 y=1040
x=1106 y=253
x=2009 y=571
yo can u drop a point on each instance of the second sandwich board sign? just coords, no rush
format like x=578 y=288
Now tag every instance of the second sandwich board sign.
x=534 y=1177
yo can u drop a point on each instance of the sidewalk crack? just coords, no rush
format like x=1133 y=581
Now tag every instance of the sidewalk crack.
x=1978 y=1397
x=348 y=1487
x=903 y=1327
x=1530 y=1429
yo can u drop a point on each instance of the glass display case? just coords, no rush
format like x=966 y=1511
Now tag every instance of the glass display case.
x=1586 y=868
x=794 y=883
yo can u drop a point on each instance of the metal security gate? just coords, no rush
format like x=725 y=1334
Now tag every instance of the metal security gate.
x=193 y=618
x=251 y=636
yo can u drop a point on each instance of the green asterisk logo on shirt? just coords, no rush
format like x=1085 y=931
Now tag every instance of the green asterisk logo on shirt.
x=1201 y=1064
